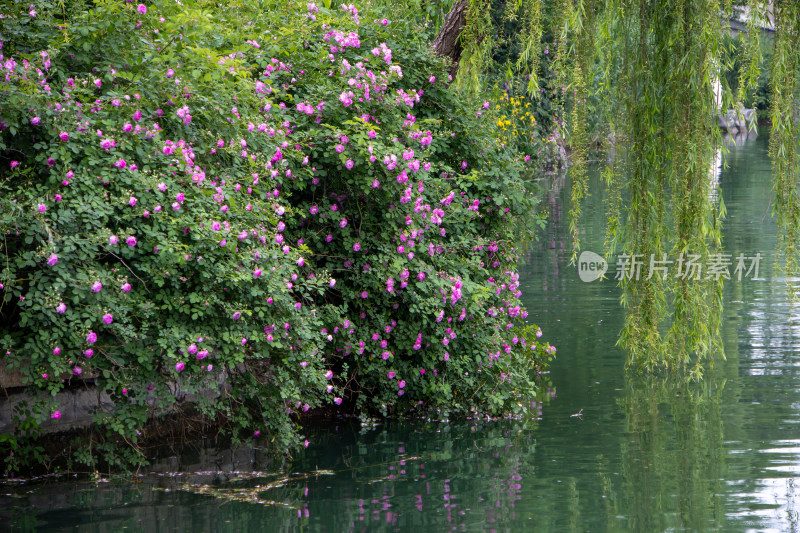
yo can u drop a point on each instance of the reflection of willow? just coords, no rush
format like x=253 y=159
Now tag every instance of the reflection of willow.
x=672 y=459
x=530 y=226
x=552 y=236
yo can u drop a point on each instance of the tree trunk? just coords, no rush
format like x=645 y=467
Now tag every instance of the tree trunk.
x=447 y=42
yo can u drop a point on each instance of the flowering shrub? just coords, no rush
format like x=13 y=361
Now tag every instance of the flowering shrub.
x=282 y=216
x=515 y=121
x=514 y=115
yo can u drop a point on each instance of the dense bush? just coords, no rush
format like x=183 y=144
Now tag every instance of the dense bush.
x=283 y=206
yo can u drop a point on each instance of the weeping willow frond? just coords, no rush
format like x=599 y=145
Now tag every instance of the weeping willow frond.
x=784 y=135
x=582 y=20
x=658 y=69
x=530 y=47
x=476 y=43
x=751 y=54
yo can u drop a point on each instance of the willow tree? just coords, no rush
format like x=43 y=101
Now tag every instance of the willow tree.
x=784 y=116
x=655 y=64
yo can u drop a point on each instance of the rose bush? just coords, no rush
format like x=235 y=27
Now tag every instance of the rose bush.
x=284 y=207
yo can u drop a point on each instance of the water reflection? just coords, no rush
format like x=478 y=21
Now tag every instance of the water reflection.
x=673 y=459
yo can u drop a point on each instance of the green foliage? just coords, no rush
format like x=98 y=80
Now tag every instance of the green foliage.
x=748 y=72
x=639 y=77
x=785 y=132
x=276 y=169
x=648 y=70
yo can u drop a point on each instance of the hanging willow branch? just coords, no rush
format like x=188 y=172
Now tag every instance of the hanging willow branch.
x=784 y=136
x=530 y=48
x=582 y=19
x=654 y=65
x=660 y=62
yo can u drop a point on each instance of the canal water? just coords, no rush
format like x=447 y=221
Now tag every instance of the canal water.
x=608 y=453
